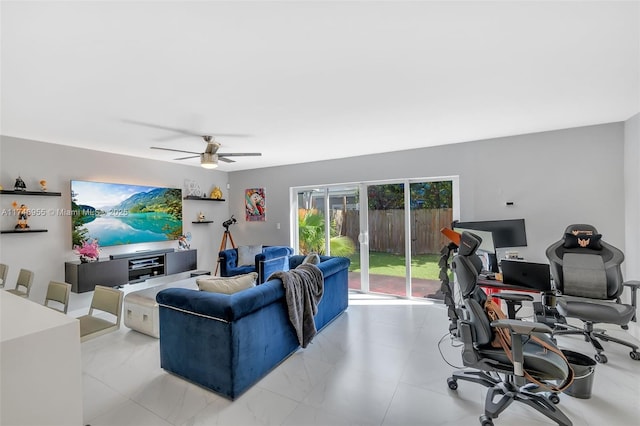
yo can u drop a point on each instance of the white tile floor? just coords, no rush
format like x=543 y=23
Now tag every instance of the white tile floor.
x=377 y=364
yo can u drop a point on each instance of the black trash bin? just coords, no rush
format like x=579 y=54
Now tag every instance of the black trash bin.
x=584 y=368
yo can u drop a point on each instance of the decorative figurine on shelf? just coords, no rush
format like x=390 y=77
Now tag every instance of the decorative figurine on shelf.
x=216 y=194
x=43 y=185
x=23 y=216
x=20 y=185
x=183 y=244
x=201 y=217
x=193 y=189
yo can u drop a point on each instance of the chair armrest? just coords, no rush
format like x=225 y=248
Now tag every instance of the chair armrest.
x=633 y=285
x=513 y=297
x=512 y=300
x=521 y=327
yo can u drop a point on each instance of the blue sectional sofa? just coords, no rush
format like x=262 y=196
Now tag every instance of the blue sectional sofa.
x=272 y=259
x=226 y=343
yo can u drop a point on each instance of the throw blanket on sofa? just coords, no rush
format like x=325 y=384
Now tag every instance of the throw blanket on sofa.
x=303 y=288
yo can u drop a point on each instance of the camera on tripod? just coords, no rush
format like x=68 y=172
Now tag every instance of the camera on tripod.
x=228 y=223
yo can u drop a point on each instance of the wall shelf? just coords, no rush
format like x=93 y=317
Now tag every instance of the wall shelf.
x=202 y=221
x=193 y=197
x=40 y=193
x=24 y=231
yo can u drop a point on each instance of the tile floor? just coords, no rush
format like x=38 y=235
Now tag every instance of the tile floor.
x=379 y=363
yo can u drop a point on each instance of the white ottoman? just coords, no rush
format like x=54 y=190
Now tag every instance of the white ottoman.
x=141 y=309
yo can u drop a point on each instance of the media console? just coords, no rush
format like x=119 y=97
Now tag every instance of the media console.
x=128 y=268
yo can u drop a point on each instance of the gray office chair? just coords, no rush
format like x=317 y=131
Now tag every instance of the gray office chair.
x=25 y=280
x=3 y=274
x=58 y=292
x=587 y=274
x=536 y=366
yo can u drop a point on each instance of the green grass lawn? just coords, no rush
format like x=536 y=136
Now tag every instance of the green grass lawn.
x=422 y=266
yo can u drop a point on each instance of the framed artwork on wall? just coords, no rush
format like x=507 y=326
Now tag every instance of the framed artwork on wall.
x=255 y=205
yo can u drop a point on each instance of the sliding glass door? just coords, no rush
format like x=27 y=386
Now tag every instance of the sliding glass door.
x=390 y=231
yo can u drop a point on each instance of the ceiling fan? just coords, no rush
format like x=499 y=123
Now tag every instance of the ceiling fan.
x=210 y=157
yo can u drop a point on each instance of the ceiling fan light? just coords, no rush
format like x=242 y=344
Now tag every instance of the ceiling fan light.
x=209 y=161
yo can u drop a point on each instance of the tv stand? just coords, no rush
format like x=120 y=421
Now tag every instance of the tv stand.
x=129 y=268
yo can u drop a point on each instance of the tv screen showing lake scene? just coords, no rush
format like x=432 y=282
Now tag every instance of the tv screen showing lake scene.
x=115 y=213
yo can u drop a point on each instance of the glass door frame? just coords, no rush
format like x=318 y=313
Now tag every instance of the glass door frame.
x=363 y=235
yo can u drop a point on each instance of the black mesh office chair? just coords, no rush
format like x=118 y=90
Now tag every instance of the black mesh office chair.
x=587 y=274
x=506 y=380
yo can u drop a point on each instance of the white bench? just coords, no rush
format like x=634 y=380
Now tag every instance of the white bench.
x=141 y=309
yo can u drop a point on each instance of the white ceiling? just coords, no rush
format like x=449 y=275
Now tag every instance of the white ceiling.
x=312 y=80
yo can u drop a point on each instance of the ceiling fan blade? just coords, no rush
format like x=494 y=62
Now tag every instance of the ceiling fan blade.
x=186 y=132
x=174 y=150
x=239 y=154
x=226 y=160
x=186 y=158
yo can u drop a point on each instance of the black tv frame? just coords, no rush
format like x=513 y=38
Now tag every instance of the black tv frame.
x=506 y=232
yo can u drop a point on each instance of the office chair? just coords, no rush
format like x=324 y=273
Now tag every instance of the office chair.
x=587 y=274
x=529 y=374
x=25 y=279
x=58 y=292
x=3 y=274
x=105 y=299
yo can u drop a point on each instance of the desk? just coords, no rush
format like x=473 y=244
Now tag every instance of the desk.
x=494 y=286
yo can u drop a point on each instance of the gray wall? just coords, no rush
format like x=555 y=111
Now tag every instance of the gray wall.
x=632 y=195
x=45 y=253
x=554 y=178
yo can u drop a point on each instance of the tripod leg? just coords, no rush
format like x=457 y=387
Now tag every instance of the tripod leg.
x=233 y=245
x=223 y=246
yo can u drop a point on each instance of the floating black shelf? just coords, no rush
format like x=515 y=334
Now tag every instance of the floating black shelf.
x=41 y=193
x=202 y=221
x=24 y=231
x=193 y=197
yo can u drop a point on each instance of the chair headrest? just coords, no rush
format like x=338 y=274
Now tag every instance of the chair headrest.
x=581 y=229
x=469 y=243
x=582 y=236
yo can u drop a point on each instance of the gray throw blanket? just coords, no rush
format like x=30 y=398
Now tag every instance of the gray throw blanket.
x=303 y=288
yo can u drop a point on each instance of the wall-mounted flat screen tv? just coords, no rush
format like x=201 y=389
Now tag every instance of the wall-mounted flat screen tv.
x=115 y=213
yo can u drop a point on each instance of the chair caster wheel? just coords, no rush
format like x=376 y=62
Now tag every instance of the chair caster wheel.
x=452 y=383
x=486 y=421
x=634 y=355
x=554 y=398
x=601 y=358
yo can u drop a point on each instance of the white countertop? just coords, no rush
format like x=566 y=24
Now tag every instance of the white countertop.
x=20 y=317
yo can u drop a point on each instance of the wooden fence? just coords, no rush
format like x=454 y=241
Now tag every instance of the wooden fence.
x=386 y=229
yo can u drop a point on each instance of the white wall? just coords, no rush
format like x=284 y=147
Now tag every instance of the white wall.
x=45 y=253
x=632 y=196
x=554 y=178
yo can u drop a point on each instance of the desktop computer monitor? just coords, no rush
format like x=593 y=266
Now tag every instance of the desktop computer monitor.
x=506 y=233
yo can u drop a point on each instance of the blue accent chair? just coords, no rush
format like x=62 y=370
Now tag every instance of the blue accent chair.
x=272 y=259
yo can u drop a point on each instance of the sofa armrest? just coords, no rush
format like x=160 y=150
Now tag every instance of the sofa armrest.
x=225 y=307
x=229 y=264
x=272 y=259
